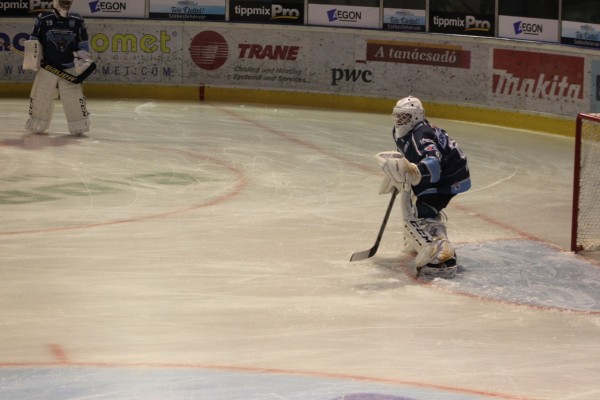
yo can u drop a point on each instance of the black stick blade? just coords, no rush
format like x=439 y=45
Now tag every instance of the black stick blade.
x=362 y=255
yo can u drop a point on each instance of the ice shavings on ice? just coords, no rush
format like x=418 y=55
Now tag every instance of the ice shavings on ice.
x=526 y=272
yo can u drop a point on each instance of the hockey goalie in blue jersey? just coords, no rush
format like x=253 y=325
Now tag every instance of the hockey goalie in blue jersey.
x=59 y=39
x=428 y=169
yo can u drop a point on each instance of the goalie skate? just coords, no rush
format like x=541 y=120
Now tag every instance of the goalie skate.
x=445 y=270
x=436 y=260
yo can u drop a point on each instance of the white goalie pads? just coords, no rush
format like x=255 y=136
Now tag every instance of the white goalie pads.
x=32 y=56
x=427 y=237
x=75 y=108
x=41 y=104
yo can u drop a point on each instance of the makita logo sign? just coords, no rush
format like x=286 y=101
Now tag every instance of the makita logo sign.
x=541 y=76
x=553 y=87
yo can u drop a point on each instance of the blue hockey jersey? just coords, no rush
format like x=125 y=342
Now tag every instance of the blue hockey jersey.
x=60 y=37
x=440 y=160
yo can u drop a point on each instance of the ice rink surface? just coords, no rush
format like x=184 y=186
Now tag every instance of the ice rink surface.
x=201 y=251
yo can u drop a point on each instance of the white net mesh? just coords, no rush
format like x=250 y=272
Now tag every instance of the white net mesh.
x=588 y=211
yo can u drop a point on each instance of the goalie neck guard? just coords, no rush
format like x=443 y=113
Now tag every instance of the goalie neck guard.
x=407 y=113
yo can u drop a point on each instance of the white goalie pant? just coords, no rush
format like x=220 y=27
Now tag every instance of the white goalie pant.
x=46 y=88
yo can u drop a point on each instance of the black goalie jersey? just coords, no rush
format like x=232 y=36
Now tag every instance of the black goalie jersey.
x=60 y=37
x=440 y=160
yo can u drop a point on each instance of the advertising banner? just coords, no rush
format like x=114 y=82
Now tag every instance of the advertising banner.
x=132 y=51
x=541 y=30
x=404 y=20
x=23 y=8
x=331 y=61
x=581 y=34
x=87 y=8
x=110 y=9
x=188 y=10
x=336 y=15
x=538 y=81
x=268 y=12
x=462 y=24
x=595 y=87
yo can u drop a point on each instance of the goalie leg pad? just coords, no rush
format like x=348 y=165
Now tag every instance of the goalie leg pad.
x=75 y=107
x=435 y=254
x=41 y=101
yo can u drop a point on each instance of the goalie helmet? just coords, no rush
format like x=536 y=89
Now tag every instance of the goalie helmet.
x=407 y=113
x=62 y=6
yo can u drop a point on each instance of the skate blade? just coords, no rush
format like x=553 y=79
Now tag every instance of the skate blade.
x=429 y=272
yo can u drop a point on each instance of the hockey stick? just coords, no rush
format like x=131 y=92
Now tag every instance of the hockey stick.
x=57 y=71
x=363 y=255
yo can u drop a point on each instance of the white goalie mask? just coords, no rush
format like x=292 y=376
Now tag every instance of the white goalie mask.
x=407 y=113
x=62 y=6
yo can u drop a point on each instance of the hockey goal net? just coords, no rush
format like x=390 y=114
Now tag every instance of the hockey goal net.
x=585 y=235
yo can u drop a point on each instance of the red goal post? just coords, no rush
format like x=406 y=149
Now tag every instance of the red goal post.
x=585 y=233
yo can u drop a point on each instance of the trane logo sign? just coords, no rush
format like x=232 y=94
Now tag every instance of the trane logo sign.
x=554 y=87
x=276 y=11
x=270 y=52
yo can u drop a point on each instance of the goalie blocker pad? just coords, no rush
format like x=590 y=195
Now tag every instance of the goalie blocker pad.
x=32 y=56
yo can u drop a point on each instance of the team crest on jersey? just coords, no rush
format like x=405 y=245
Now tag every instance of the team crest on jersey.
x=442 y=138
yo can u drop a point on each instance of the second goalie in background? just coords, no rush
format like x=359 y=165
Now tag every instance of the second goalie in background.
x=60 y=38
x=432 y=168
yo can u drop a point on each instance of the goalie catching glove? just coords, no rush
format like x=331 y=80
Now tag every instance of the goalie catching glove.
x=399 y=172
